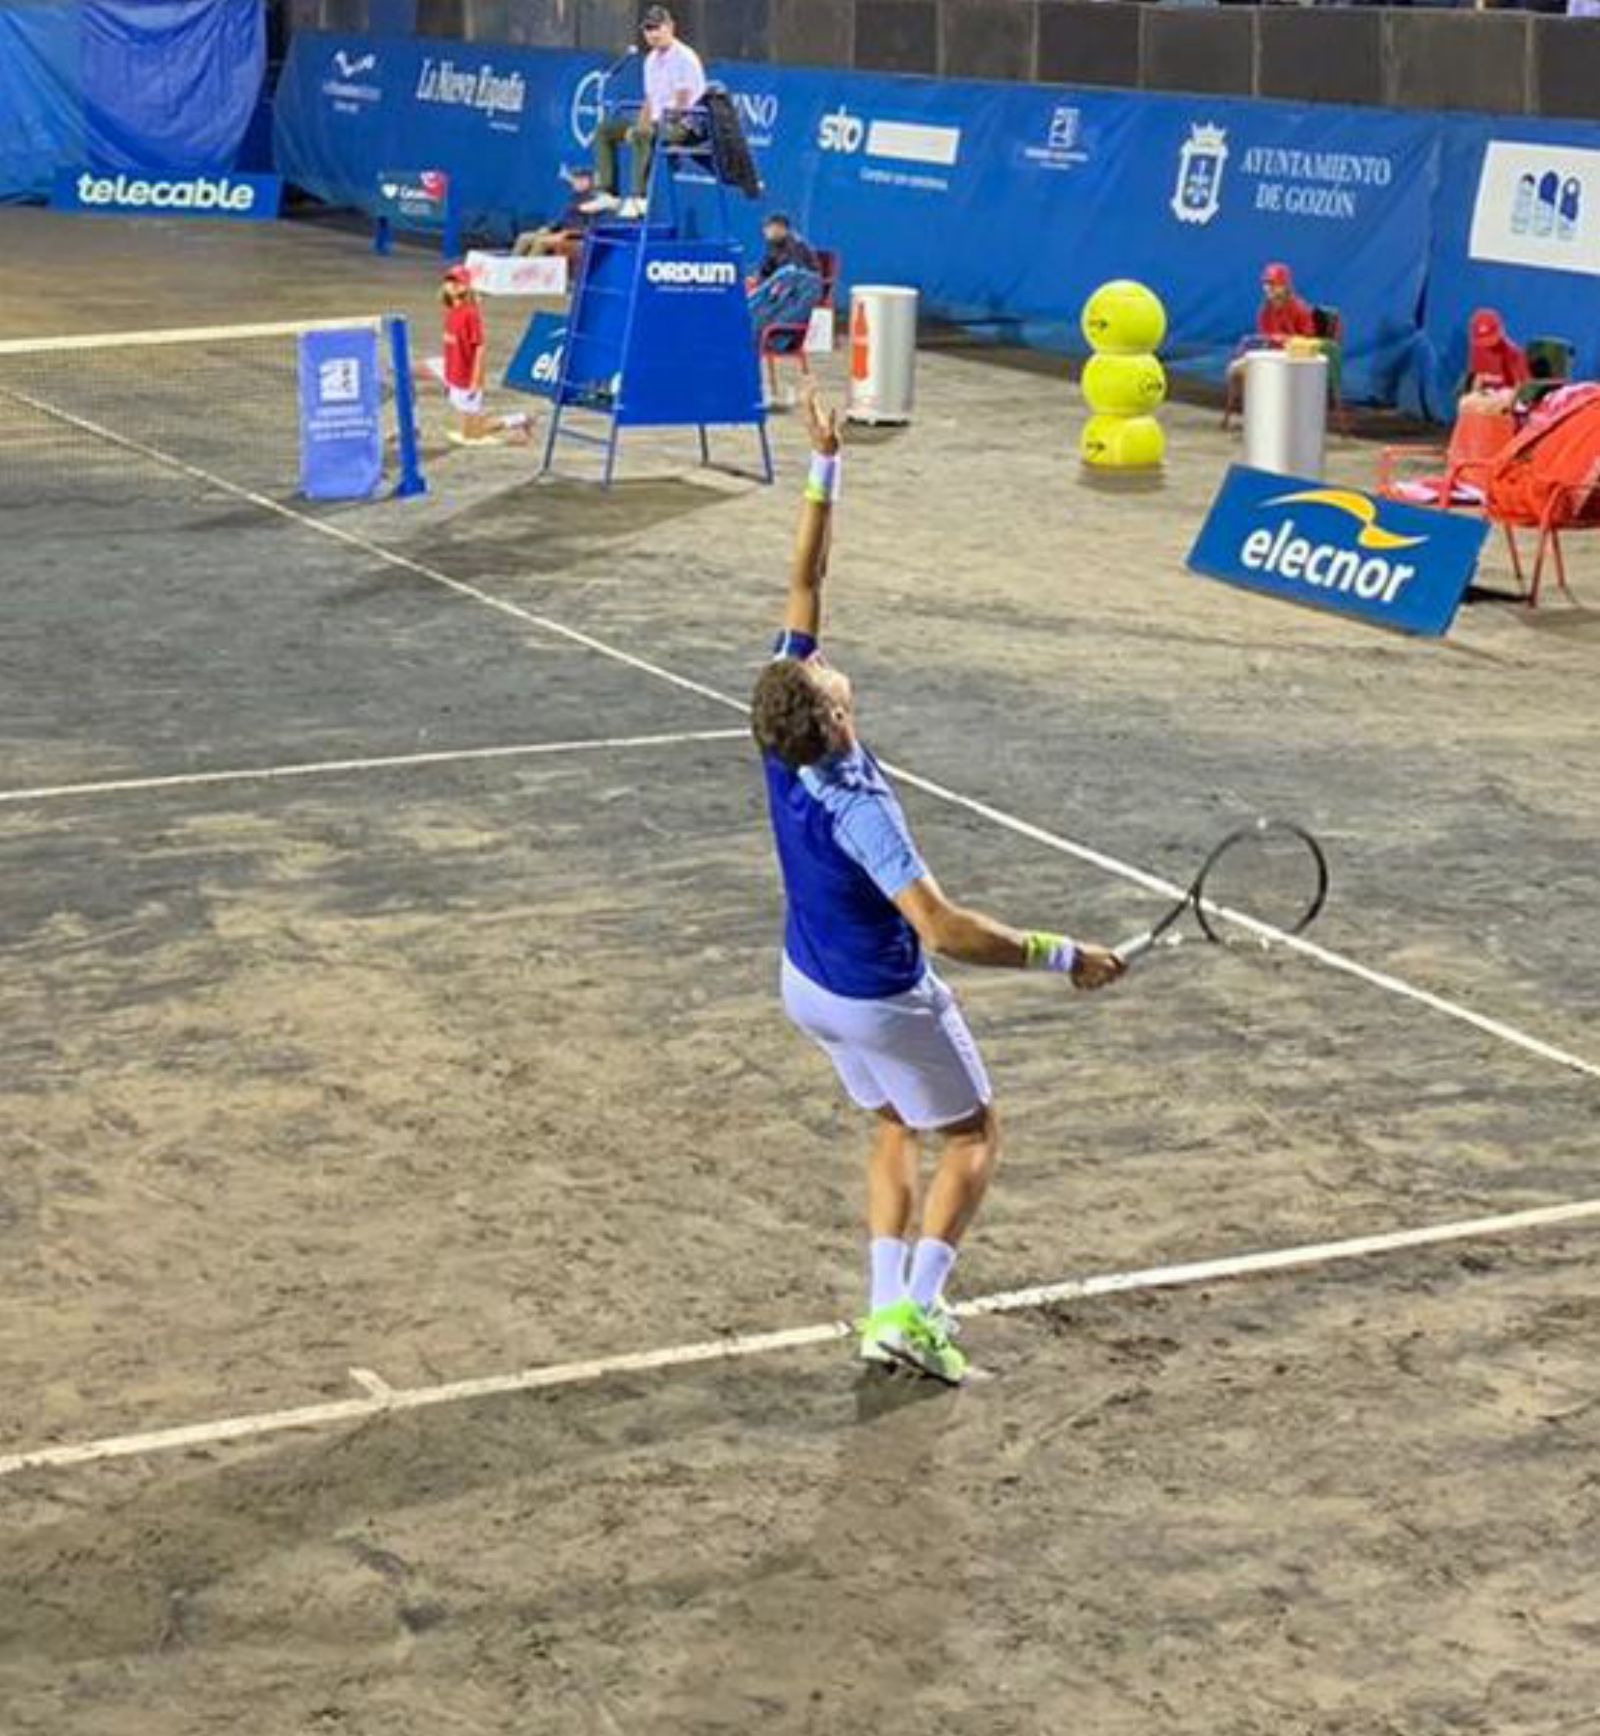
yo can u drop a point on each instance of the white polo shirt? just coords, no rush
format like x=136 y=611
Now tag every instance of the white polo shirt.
x=670 y=70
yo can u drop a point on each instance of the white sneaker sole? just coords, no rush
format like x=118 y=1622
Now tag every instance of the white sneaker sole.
x=908 y=1356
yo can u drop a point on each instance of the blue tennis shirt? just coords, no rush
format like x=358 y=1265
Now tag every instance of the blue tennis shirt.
x=845 y=852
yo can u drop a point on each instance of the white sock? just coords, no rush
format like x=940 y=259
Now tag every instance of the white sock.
x=931 y=1263
x=888 y=1256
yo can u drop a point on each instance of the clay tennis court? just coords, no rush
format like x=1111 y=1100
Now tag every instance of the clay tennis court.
x=390 y=945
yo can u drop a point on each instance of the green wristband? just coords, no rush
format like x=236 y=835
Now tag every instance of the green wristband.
x=1049 y=952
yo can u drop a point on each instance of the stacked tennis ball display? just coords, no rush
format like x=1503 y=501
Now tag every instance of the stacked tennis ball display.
x=1123 y=382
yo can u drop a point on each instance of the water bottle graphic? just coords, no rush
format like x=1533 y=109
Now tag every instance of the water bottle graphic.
x=1571 y=206
x=1522 y=210
x=1544 y=213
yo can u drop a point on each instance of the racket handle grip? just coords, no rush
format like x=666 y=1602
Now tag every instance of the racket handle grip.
x=1137 y=947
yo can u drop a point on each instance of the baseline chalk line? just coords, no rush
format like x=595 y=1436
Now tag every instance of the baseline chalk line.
x=383 y=1399
x=372 y=763
x=1109 y=864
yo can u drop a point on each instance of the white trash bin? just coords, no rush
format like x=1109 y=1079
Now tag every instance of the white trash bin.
x=1286 y=413
x=883 y=352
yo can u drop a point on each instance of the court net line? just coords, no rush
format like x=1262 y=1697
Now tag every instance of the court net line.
x=376 y=762
x=383 y=1400
x=1109 y=864
x=163 y=335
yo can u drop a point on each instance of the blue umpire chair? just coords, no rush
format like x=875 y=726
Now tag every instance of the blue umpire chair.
x=659 y=331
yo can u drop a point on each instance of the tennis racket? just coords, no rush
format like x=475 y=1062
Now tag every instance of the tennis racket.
x=1264 y=880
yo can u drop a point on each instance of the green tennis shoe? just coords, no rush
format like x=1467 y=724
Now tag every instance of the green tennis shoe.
x=916 y=1338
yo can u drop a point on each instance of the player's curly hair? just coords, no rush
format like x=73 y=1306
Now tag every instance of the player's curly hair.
x=789 y=714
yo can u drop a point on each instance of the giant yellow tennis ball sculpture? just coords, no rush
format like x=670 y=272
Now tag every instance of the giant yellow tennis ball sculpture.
x=1123 y=318
x=1124 y=385
x=1122 y=381
x=1124 y=442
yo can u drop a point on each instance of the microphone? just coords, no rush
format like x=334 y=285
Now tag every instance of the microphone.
x=621 y=61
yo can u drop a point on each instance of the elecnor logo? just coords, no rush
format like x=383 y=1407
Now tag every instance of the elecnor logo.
x=1365 y=570
x=350 y=86
x=547 y=366
x=692 y=273
x=1340 y=549
x=499 y=96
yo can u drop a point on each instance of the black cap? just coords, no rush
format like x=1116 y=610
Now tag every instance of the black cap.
x=778 y=217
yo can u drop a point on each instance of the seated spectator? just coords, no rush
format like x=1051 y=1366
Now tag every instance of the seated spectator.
x=563 y=234
x=1497 y=369
x=1282 y=319
x=788 y=281
x=1283 y=314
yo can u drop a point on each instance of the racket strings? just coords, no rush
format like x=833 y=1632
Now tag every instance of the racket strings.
x=1274 y=876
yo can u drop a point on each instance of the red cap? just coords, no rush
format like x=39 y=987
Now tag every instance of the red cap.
x=1487 y=326
x=458 y=274
x=1277 y=276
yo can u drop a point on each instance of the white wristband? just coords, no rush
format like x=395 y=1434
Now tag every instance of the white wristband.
x=1053 y=952
x=826 y=478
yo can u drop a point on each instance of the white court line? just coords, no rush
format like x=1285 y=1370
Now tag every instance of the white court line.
x=1052 y=840
x=1295 y=942
x=383 y=1399
x=380 y=762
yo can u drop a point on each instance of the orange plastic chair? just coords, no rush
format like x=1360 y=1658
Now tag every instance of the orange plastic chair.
x=1478 y=438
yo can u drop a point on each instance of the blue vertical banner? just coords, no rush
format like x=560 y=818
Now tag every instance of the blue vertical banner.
x=341 y=425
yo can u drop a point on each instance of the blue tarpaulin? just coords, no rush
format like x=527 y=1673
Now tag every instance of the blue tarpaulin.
x=158 y=85
x=1010 y=203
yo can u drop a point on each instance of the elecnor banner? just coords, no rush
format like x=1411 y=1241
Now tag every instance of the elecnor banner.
x=536 y=365
x=246 y=198
x=1339 y=549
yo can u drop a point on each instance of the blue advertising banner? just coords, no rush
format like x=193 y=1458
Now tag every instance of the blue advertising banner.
x=1007 y=204
x=536 y=366
x=1339 y=549
x=341 y=428
x=241 y=198
x=1003 y=203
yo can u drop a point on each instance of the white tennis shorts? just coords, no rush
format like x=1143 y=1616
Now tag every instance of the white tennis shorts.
x=462 y=398
x=911 y=1053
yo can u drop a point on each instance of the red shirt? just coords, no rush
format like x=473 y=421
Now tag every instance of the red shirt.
x=463 y=344
x=1289 y=318
x=1499 y=362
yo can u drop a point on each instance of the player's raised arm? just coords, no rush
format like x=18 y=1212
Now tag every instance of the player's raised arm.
x=815 y=534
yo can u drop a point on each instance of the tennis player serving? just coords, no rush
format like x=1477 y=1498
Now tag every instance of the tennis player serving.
x=863 y=913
